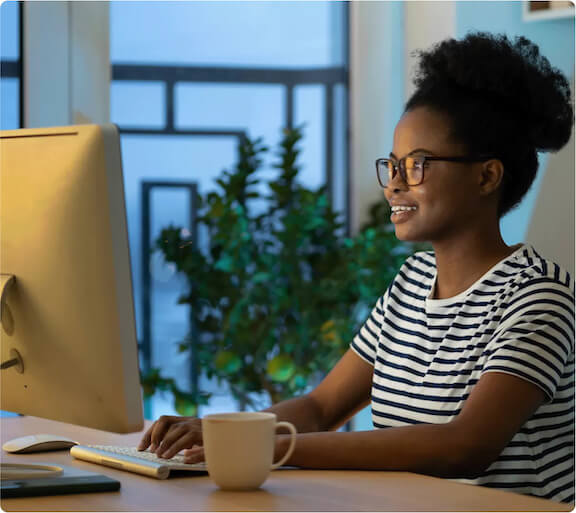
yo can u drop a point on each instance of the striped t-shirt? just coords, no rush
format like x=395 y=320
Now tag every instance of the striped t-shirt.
x=429 y=353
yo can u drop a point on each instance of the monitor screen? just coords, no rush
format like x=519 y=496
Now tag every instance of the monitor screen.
x=68 y=339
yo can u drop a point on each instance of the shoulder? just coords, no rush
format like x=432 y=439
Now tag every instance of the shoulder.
x=539 y=273
x=540 y=290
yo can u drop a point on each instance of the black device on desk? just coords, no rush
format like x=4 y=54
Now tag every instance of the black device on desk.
x=59 y=480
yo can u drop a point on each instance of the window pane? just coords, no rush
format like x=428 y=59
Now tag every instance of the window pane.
x=309 y=103
x=9 y=31
x=10 y=56
x=177 y=158
x=169 y=321
x=9 y=103
x=258 y=34
x=257 y=109
x=137 y=104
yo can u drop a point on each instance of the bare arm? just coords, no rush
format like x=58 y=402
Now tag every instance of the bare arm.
x=344 y=391
x=496 y=409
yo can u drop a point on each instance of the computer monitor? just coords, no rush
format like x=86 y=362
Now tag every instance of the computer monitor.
x=68 y=339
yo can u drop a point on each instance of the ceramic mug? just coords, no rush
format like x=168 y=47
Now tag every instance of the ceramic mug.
x=239 y=448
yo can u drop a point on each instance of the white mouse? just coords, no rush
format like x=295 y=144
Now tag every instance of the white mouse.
x=38 y=443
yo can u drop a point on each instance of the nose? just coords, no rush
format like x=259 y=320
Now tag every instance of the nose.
x=397 y=184
x=392 y=190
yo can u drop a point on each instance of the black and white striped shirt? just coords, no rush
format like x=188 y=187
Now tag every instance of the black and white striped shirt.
x=429 y=353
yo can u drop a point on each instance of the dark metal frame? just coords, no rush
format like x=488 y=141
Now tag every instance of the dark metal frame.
x=288 y=78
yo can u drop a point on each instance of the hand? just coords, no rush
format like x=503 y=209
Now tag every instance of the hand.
x=169 y=435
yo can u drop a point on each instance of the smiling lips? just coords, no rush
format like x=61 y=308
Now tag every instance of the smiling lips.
x=401 y=212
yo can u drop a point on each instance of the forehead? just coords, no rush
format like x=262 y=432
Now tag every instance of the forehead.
x=423 y=128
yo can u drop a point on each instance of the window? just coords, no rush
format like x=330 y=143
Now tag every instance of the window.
x=190 y=79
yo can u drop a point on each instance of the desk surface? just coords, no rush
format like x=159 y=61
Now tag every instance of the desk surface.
x=285 y=490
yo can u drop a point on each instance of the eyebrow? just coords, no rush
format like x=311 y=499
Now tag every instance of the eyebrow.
x=417 y=150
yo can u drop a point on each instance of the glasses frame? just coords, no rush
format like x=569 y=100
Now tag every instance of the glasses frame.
x=399 y=166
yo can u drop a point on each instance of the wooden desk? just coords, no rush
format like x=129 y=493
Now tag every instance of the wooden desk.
x=285 y=490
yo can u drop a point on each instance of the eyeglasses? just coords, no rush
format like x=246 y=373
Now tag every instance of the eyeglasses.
x=411 y=169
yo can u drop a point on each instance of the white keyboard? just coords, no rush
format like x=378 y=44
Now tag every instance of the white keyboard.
x=133 y=460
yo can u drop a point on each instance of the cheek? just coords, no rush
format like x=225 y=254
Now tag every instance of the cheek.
x=444 y=205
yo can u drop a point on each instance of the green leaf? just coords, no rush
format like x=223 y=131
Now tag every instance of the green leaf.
x=299 y=381
x=148 y=390
x=261 y=277
x=315 y=222
x=225 y=263
x=281 y=368
x=185 y=406
x=227 y=362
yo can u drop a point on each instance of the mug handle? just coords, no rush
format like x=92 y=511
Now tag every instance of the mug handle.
x=290 y=450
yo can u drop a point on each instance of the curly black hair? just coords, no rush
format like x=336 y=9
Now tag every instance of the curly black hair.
x=503 y=98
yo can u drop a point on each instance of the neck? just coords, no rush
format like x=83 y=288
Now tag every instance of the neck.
x=462 y=261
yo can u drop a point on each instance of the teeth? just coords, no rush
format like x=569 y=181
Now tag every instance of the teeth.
x=402 y=208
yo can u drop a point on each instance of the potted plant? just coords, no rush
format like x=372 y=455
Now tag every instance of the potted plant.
x=277 y=294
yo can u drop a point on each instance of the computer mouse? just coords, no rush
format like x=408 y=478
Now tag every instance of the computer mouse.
x=38 y=443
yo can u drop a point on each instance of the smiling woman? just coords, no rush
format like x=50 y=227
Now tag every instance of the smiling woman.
x=475 y=323
x=468 y=358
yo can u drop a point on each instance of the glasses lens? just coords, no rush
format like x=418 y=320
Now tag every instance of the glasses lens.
x=414 y=170
x=385 y=170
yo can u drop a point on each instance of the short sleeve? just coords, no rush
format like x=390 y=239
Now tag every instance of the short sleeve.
x=536 y=335
x=365 y=342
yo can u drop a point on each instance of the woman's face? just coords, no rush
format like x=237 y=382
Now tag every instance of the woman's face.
x=447 y=202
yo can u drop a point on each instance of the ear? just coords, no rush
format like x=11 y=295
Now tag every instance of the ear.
x=491 y=176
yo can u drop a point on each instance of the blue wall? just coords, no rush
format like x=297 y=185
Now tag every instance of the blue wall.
x=556 y=41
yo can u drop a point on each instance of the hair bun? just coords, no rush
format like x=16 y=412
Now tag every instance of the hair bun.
x=512 y=76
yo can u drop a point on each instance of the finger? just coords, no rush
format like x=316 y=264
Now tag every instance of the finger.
x=190 y=431
x=145 y=442
x=159 y=429
x=195 y=455
x=184 y=436
x=182 y=443
x=193 y=450
x=173 y=433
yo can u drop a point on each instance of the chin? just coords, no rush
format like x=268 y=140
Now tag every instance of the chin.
x=424 y=230
x=409 y=235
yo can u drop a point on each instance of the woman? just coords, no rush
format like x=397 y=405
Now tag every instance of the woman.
x=468 y=358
